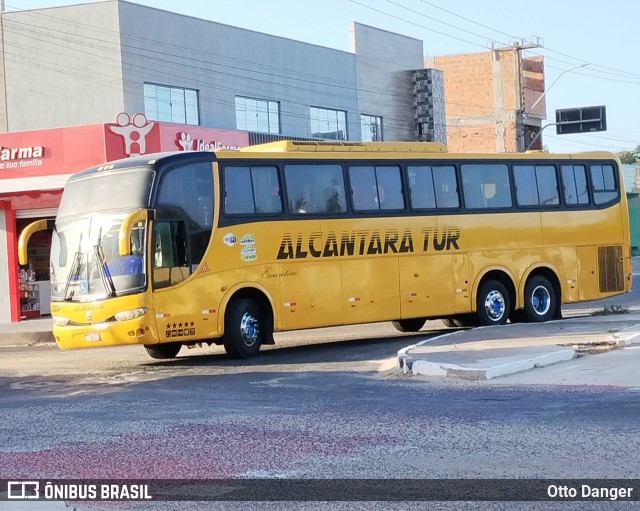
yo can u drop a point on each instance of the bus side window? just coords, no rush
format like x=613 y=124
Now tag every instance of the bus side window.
x=446 y=187
x=486 y=185
x=574 y=181
x=314 y=188
x=604 y=183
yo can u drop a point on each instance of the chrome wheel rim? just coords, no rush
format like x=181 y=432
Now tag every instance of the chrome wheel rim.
x=494 y=305
x=249 y=329
x=540 y=300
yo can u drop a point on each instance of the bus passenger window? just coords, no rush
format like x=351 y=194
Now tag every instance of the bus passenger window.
x=376 y=188
x=486 y=186
x=536 y=185
x=252 y=190
x=604 y=183
x=574 y=180
x=421 y=192
x=446 y=187
x=432 y=187
x=315 y=189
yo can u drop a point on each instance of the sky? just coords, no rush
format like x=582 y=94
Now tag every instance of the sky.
x=571 y=33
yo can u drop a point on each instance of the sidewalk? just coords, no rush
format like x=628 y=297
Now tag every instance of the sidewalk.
x=490 y=352
x=29 y=332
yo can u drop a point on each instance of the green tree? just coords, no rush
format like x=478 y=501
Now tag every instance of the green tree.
x=632 y=156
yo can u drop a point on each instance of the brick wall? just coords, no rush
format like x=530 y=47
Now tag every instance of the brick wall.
x=482 y=97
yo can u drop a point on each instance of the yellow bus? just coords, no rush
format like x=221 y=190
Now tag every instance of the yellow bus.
x=188 y=248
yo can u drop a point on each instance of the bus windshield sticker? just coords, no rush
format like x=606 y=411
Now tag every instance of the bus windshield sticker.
x=230 y=239
x=249 y=253
x=247 y=239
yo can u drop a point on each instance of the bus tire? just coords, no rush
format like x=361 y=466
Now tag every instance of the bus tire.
x=409 y=325
x=243 y=328
x=494 y=304
x=461 y=321
x=163 y=350
x=517 y=316
x=539 y=300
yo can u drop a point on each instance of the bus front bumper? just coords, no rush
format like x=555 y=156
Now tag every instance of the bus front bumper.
x=113 y=333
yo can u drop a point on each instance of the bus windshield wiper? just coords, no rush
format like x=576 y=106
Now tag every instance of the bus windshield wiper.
x=74 y=273
x=103 y=269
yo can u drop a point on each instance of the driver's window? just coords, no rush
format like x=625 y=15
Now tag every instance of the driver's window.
x=170 y=261
x=184 y=220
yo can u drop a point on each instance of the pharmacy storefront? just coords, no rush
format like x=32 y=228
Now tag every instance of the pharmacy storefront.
x=34 y=165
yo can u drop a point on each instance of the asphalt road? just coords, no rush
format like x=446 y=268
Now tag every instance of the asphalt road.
x=305 y=409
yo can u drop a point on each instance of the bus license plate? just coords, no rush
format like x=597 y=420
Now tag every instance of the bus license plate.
x=92 y=336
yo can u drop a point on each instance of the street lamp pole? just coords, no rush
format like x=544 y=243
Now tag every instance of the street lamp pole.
x=554 y=82
x=530 y=109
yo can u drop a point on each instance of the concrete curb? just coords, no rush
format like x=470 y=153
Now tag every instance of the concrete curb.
x=417 y=361
x=8 y=339
x=427 y=368
x=628 y=338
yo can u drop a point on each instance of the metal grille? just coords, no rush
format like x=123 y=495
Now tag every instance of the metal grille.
x=610 y=267
x=263 y=138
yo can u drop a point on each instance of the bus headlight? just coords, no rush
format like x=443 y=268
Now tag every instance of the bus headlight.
x=130 y=314
x=60 y=321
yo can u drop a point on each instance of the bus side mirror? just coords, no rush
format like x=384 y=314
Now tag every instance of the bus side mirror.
x=124 y=236
x=25 y=236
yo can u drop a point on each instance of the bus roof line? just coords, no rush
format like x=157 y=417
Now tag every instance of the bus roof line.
x=285 y=146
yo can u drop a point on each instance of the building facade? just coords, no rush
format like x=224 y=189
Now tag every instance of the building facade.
x=494 y=100
x=82 y=64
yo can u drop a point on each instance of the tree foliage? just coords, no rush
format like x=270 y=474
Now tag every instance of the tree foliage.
x=632 y=156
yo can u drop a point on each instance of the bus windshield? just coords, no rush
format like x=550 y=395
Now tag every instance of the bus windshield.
x=106 y=191
x=85 y=264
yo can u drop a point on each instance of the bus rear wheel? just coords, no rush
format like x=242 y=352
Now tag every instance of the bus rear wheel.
x=243 y=328
x=494 y=304
x=409 y=325
x=164 y=350
x=539 y=300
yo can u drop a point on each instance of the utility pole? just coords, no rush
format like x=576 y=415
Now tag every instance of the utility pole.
x=504 y=116
x=521 y=116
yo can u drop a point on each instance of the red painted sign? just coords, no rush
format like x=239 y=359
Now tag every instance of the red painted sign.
x=180 y=137
x=67 y=150
x=50 y=152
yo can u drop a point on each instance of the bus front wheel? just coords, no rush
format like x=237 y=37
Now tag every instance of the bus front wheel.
x=243 y=328
x=409 y=325
x=163 y=350
x=539 y=300
x=493 y=305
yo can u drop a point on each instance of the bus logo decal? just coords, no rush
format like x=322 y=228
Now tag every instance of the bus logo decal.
x=270 y=273
x=365 y=242
x=180 y=330
x=230 y=239
x=247 y=239
x=440 y=240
